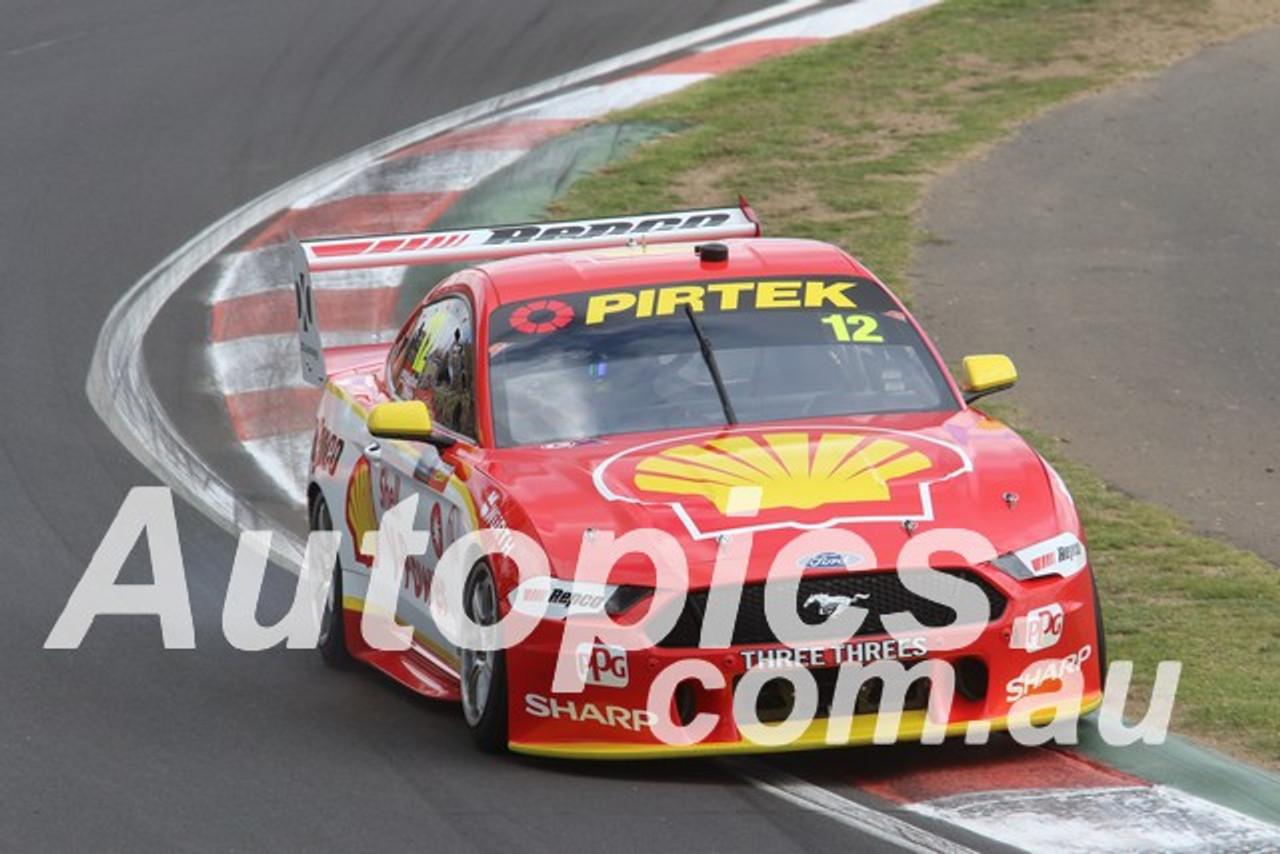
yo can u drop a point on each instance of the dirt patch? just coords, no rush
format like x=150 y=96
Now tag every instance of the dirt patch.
x=891 y=125
x=1157 y=34
x=800 y=200
x=702 y=184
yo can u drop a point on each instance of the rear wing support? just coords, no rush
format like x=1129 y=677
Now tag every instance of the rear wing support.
x=492 y=243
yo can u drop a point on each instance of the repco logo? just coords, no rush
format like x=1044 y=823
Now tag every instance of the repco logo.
x=615 y=227
x=601 y=664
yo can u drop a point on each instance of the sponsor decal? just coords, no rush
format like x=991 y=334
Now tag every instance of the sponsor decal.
x=607 y=228
x=1046 y=675
x=433 y=471
x=384 y=245
x=326 y=450
x=453 y=527
x=1039 y=629
x=721 y=296
x=773 y=478
x=542 y=316
x=1062 y=555
x=491 y=514
x=417 y=578
x=616 y=717
x=562 y=598
x=793 y=471
x=388 y=489
x=830 y=560
x=859 y=652
x=602 y=664
x=437 y=530
x=361 y=518
x=570 y=599
x=829 y=605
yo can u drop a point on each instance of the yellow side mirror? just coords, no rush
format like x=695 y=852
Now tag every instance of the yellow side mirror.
x=409 y=420
x=985 y=375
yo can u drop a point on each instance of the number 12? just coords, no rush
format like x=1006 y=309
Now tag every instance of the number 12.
x=858 y=328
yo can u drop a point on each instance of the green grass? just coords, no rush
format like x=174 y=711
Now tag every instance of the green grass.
x=839 y=142
x=1171 y=594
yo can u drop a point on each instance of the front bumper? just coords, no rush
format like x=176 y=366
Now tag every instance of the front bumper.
x=612 y=721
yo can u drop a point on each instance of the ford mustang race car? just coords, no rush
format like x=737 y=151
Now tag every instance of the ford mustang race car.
x=767 y=515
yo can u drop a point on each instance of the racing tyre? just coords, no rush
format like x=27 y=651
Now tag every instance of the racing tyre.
x=484 y=673
x=1101 y=630
x=333 y=634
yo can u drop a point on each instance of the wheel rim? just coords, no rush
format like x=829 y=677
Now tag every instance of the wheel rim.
x=477 y=665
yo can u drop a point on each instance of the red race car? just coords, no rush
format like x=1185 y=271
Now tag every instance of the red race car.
x=735 y=500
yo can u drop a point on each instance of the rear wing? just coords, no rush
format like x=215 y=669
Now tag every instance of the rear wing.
x=489 y=244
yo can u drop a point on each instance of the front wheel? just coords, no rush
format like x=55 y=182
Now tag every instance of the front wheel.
x=332 y=641
x=1101 y=631
x=484 y=672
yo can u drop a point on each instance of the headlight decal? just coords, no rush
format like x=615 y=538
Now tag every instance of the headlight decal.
x=1062 y=555
x=560 y=599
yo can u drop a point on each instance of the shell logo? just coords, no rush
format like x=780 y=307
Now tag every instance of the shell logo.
x=782 y=470
x=361 y=517
x=756 y=479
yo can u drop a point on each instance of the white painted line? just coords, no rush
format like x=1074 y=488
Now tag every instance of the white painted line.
x=265 y=362
x=242 y=274
x=595 y=101
x=284 y=459
x=902 y=834
x=1099 y=821
x=44 y=45
x=256 y=364
x=437 y=172
x=832 y=23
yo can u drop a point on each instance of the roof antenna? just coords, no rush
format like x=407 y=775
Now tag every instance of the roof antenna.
x=712 y=252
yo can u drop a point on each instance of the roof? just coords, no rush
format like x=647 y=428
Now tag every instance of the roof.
x=532 y=276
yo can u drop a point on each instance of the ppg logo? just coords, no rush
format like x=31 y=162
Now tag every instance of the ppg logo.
x=1040 y=629
x=601 y=664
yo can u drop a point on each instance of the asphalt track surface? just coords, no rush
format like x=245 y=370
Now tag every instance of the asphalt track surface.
x=127 y=128
x=1135 y=237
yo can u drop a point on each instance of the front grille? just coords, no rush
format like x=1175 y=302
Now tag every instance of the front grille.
x=885 y=594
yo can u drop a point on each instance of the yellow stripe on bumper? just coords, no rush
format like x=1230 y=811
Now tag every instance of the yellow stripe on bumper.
x=861 y=732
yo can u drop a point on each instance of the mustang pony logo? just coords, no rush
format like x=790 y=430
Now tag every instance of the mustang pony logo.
x=830 y=606
x=753 y=479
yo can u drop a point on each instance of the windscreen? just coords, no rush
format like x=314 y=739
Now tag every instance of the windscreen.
x=591 y=364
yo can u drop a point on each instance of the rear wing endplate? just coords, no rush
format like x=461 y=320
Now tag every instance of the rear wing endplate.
x=492 y=243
